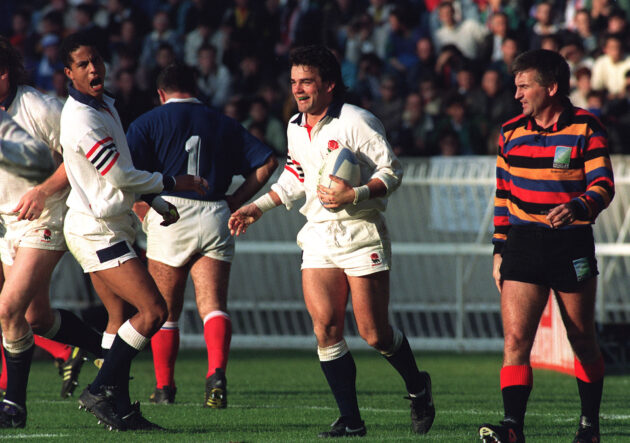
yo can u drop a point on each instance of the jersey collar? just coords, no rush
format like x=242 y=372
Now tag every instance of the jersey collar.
x=333 y=111
x=89 y=100
x=183 y=100
x=565 y=119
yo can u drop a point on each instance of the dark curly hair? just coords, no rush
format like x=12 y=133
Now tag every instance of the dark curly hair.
x=322 y=58
x=11 y=61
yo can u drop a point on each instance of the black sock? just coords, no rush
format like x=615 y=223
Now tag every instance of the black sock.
x=74 y=331
x=404 y=362
x=18 y=367
x=341 y=374
x=515 y=402
x=115 y=372
x=590 y=398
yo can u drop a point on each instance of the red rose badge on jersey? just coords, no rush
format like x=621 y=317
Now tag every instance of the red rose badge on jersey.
x=376 y=259
x=46 y=236
x=332 y=145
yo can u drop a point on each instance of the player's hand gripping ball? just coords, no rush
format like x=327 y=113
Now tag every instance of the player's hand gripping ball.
x=340 y=162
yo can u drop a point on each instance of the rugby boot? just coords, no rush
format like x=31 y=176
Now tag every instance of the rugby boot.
x=102 y=406
x=12 y=415
x=340 y=429
x=505 y=432
x=216 y=390
x=134 y=421
x=70 y=370
x=586 y=433
x=163 y=396
x=422 y=408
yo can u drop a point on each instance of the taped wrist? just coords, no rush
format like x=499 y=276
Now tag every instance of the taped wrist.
x=361 y=193
x=265 y=203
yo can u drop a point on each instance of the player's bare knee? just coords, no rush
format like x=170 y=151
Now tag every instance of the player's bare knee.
x=517 y=345
x=584 y=345
x=40 y=323
x=9 y=312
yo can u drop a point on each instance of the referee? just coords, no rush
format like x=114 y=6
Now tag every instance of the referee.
x=554 y=177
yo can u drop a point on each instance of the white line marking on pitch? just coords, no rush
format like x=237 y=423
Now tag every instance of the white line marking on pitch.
x=23 y=436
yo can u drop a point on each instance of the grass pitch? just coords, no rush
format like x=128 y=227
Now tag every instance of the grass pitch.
x=281 y=396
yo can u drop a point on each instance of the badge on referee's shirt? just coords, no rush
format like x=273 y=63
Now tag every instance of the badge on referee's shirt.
x=562 y=157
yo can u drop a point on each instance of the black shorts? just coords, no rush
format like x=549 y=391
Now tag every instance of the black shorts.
x=559 y=259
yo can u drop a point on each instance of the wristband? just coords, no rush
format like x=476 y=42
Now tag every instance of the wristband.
x=168 y=182
x=265 y=203
x=361 y=193
x=160 y=205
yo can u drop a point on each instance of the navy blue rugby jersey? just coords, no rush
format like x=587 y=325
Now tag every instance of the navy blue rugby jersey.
x=185 y=136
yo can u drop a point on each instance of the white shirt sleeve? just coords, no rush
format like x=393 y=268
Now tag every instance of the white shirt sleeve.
x=100 y=149
x=290 y=184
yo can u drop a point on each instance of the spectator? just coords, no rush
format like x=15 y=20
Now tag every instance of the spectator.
x=493 y=104
x=415 y=131
x=493 y=42
x=368 y=80
x=195 y=39
x=467 y=35
x=401 y=42
x=131 y=102
x=49 y=63
x=584 y=31
x=610 y=68
x=619 y=120
x=274 y=132
x=582 y=87
x=543 y=24
x=164 y=56
x=425 y=61
x=379 y=11
x=214 y=79
x=161 y=34
x=59 y=86
x=430 y=94
x=388 y=107
x=361 y=38
x=448 y=143
x=509 y=49
x=23 y=38
x=456 y=118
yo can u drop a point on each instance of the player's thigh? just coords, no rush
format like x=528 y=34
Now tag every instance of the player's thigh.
x=370 y=303
x=210 y=277
x=326 y=296
x=171 y=282
x=29 y=277
x=131 y=282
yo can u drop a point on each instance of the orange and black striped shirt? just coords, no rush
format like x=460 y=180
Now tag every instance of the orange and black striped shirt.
x=540 y=168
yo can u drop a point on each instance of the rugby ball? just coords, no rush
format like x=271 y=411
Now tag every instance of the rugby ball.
x=342 y=163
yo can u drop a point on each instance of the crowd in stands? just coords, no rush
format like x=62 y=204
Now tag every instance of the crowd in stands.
x=435 y=72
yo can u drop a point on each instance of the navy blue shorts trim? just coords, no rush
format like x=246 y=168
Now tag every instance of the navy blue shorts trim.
x=114 y=251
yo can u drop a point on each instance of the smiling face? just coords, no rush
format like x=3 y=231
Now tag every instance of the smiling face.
x=534 y=97
x=312 y=95
x=87 y=71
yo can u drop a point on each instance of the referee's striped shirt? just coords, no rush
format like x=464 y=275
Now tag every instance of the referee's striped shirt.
x=540 y=168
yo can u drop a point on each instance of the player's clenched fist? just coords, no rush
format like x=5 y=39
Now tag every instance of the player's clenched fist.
x=191 y=183
x=241 y=219
x=166 y=209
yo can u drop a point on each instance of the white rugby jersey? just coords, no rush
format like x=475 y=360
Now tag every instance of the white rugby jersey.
x=38 y=114
x=24 y=162
x=347 y=126
x=98 y=163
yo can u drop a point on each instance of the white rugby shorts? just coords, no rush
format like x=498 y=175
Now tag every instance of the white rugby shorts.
x=100 y=243
x=358 y=246
x=46 y=232
x=202 y=229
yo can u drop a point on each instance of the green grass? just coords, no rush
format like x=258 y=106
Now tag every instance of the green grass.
x=281 y=396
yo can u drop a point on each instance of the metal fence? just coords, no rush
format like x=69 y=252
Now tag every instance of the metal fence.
x=442 y=293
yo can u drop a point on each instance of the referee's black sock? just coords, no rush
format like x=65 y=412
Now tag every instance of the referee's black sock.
x=590 y=381
x=18 y=368
x=516 y=385
x=341 y=374
x=403 y=361
x=74 y=331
